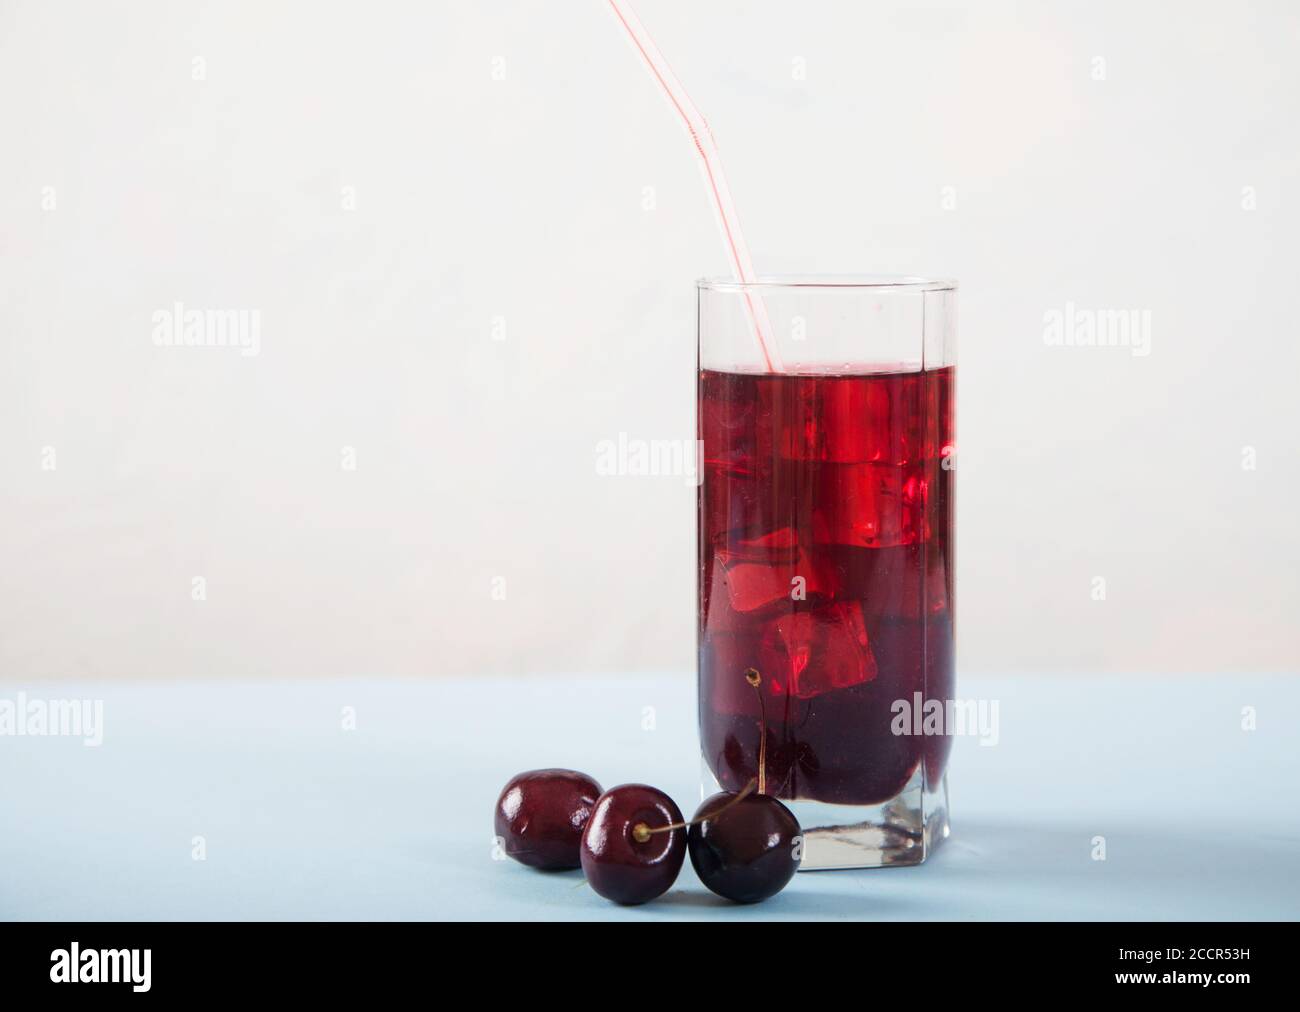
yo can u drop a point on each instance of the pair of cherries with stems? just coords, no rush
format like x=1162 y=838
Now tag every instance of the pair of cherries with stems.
x=631 y=840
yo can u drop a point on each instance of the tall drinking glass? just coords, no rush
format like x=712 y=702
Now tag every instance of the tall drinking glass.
x=826 y=556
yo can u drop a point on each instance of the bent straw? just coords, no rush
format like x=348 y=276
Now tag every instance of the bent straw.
x=708 y=151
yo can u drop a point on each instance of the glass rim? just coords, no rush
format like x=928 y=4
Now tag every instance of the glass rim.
x=875 y=282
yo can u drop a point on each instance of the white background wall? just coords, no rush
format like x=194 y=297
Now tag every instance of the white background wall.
x=523 y=199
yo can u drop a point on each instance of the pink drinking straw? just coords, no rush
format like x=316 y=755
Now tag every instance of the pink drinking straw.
x=704 y=144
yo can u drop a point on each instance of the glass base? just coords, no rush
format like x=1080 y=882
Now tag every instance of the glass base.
x=902 y=831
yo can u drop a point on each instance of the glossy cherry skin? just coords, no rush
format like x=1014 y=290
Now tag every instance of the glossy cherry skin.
x=747 y=852
x=540 y=816
x=617 y=865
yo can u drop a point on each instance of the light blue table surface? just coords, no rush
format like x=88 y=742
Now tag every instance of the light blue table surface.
x=302 y=819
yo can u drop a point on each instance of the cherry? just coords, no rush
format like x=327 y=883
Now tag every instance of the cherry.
x=743 y=846
x=540 y=816
x=634 y=844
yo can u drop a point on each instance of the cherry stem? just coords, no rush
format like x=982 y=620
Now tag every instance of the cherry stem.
x=641 y=833
x=755 y=679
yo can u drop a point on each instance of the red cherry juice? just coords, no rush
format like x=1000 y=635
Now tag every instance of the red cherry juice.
x=825 y=552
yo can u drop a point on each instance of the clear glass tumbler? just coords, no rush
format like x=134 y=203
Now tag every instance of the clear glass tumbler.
x=826 y=556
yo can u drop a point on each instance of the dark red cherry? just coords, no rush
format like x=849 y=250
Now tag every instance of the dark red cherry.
x=540 y=816
x=744 y=848
x=627 y=853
